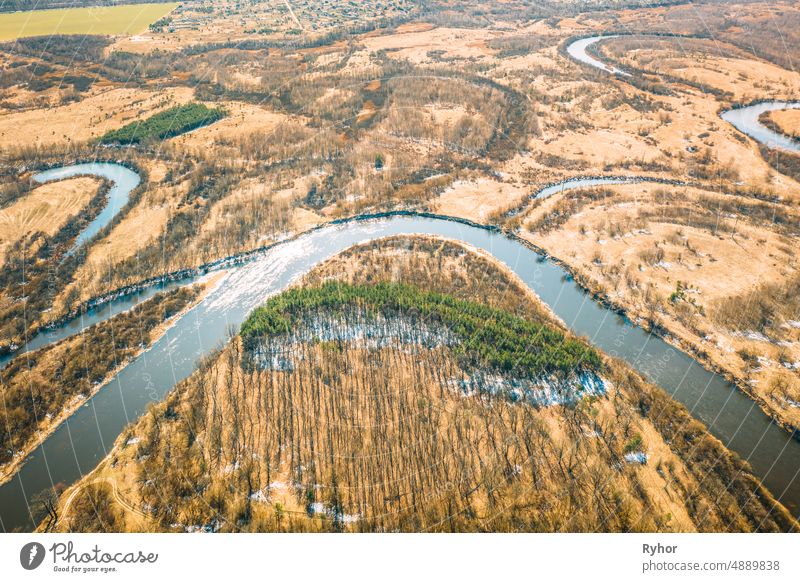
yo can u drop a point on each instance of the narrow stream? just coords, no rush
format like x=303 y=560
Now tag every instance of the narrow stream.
x=577 y=50
x=124 y=181
x=91 y=317
x=745 y=119
x=574 y=183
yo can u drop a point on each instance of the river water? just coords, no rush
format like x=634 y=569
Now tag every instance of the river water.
x=77 y=446
x=87 y=319
x=745 y=119
x=574 y=183
x=577 y=50
x=123 y=181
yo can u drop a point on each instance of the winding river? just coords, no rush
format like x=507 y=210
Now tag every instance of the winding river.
x=591 y=182
x=577 y=50
x=123 y=182
x=82 y=441
x=745 y=118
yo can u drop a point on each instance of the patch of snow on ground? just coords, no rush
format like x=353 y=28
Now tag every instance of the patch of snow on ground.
x=362 y=330
x=542 y=392
x=752 y=335
x=318 y=508
x=636 y=458
x=260 y=496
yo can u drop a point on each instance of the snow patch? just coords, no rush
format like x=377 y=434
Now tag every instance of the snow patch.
x=636 y=458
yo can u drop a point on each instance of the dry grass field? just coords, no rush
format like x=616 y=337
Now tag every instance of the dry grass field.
x=242 y=120
x=86 y=119
x=372 y=98
x=388 y=96
x=788 y=121
x=673 y=256
x=477 y=199
x=45 y=209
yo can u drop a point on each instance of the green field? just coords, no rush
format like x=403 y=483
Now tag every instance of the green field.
x=114 y=20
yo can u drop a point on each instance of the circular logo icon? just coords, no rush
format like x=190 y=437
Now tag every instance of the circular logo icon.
x=31 y=555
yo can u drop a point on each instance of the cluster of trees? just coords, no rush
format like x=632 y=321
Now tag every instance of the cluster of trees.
x=169 y=123
x=287 y=143
x=337 y=144
x=160 y=24
x=487 y=336
x=470 y=131
x=432 y=264
x=356 y=118
x=95 y=509
x=764 y=309
x=12 y=188
x=783 y=161
x=515 y=45
x=245 y=224
x=38 y=386
x=704 y=165
x=57 y=49
x=19 y=5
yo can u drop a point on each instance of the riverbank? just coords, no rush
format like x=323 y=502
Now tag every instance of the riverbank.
x=751 y=435
x=674 y=337
x=706 y=353
x=48 y=426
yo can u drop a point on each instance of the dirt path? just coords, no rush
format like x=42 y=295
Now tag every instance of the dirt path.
x=114 y=492
x=294 y=16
